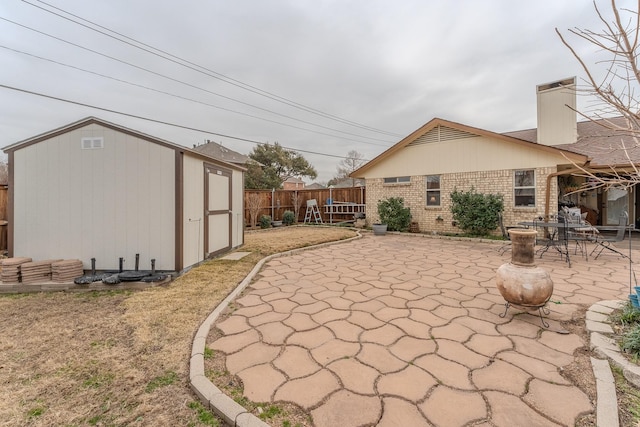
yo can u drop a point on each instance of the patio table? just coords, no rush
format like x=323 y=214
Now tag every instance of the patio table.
x=557 y=236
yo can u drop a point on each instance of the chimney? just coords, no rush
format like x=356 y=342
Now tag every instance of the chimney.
x=557 y=118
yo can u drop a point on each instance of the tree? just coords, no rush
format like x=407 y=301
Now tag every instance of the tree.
x=616 y=93
x=274 y=165
x=349 y=164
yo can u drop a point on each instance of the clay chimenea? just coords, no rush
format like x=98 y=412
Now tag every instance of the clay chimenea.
x=521 y=282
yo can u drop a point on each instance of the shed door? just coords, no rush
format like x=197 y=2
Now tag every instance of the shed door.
x=217 y=197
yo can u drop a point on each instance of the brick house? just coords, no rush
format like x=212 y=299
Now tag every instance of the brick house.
x=425 y=167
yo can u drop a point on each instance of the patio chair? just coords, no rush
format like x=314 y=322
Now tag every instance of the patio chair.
x=606 y=242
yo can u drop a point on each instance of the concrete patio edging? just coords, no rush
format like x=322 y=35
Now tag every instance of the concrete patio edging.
x=609 y=352
x=210 y=395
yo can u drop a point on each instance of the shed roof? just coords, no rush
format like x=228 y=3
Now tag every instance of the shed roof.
x=94 y=120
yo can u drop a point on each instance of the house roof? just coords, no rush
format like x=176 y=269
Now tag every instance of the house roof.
x=508 y=138
x=314 y=186
x=349 y=182
x=603 y=141
x=218 y=151
x=294 y=180
x=94 y=120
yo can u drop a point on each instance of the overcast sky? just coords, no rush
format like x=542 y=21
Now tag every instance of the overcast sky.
x=386 y=67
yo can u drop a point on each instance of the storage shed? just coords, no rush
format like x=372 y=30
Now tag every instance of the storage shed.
x=94 y=189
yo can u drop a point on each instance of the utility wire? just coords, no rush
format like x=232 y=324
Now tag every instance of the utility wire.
x=135 y=116
x=199 y=68
x=186 y=98
x=174 y=79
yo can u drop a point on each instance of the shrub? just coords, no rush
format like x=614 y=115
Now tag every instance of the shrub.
x=631 y=341
x=476 y=213
x=265 y=221
x=288 y=218
x=393 y=213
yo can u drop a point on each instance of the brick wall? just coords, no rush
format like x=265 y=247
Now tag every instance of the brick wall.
x=490 y=182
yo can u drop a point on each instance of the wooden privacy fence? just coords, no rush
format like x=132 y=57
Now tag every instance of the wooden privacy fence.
x=275 y=202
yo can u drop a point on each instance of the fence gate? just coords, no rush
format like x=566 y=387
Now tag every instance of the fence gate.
x=217 y=212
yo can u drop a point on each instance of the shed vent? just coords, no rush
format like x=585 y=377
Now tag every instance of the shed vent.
x=92 y=143
x=440 y=134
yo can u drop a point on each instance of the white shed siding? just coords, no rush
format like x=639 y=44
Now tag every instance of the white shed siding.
x=193 y=210
x=237 y=205
x=104 y=203
x=468 y=154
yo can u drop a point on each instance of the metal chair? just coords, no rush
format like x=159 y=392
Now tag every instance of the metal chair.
x=606 y=242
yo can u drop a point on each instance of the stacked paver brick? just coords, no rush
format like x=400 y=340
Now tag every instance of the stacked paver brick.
x=66 y=270
x=11 y=269
x=36 y=271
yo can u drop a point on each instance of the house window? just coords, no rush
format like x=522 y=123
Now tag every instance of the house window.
x=397 y=180
x=524 y=188
x=433 y=190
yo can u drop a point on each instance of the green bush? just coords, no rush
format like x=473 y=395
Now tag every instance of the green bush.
x=476 y=213
x=631 y=341
x=265 y=221
x=288 y=218
x=393 y=213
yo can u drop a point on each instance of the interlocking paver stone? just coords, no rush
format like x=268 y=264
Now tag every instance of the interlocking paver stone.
x=454 y=331
x=564 y=343
x=536 y=367
x=509 y=411
x=233 y=325
x=444 y=407
x=233 y=343
x=406 y=330
x=408 y=348
x=379 y=357
x=333 y=350
x=255 y=354
x=308 y=391
x=449 y=373
x=398 y=412
x=488 y=345
x=412 y=383
x=274 y=333
x=540 y=351
x=260 y=382
x=296 y=362
x=312 y=338
x=300 y=322
x=501 y=376
x=355 y=376
x=385 y=335
x=347 y=409
x=545 y=397
x=456 y=352
x=413 y=328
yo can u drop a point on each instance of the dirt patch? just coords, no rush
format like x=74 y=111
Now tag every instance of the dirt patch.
x=120 y=358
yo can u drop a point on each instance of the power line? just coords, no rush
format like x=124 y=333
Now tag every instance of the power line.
x=186 y=98
x=199 y=68
x=135 y=116
x=174 y=79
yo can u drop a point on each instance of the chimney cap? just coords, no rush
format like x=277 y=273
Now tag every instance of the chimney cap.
x=556 y=84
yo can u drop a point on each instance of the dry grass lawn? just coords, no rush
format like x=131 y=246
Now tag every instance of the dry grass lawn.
x=120 y=358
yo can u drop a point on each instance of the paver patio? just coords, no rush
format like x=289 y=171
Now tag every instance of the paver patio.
x=403 y=330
